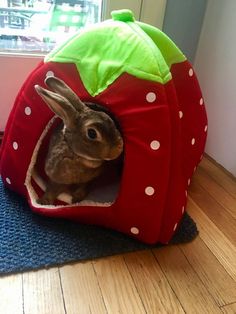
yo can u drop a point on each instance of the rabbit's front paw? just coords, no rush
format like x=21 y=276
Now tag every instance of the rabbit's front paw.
x=44 y=200
x=78 y=195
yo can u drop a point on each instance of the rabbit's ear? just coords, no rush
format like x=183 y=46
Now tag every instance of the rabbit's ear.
x=59 y=105
x=64 y=90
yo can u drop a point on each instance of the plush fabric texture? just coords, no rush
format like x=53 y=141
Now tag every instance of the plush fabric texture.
x=29 y=241
x=161 y=111
x=121 y=46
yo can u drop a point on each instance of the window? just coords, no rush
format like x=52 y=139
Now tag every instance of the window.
x=38 y=25
x=25 y=36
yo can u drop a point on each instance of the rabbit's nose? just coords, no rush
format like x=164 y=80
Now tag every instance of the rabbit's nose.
x=115 y=151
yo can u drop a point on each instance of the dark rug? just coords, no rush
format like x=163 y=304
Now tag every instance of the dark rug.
x=29 y=241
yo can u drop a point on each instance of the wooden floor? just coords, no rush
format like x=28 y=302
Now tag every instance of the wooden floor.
x=199 y=277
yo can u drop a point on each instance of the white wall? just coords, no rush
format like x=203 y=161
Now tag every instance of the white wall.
x=215 y=64
x=14 y=71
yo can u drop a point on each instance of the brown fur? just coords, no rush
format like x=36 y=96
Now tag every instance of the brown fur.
x=74 y=158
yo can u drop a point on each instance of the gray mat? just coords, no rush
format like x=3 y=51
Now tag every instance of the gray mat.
x=29 y=241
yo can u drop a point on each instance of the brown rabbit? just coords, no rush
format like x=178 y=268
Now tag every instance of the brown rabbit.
x=79 y=146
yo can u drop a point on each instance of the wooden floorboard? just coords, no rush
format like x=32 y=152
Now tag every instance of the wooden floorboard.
x=223 y=249
x=42 y=292
x=11 y=294
x=211 y=272
x=229 y=309
x=220 y=176
x=185 y=282
x=118 y=289
x=81 y=289
x=223 y=197
x=198 y=277
x=151 y=283
x=213 y=209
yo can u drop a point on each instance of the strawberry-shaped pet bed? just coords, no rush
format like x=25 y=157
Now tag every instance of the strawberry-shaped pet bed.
x=137 y=73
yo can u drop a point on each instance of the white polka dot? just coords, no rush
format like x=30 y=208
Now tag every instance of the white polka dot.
x=183 y=209
x=201 y=101
x=206 y=127
x=181 y=114
x=15 y=145
x=189 y=181
x=175 y=226
x=149 y=190
x=186 y=193
x=195 y=168
x=8 y=180
x=134 y=230
x=201 y=157
x=151 y=97
x=155 y=145
x=28 y=111
x=193 y=141
x=190 y=72
x=49 y=73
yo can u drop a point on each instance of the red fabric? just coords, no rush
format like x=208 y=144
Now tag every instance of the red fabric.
x=188 y=122
x=166 y=170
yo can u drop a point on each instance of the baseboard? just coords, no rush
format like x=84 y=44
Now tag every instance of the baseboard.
x=213 y=161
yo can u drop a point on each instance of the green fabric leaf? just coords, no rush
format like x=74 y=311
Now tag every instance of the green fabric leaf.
x=171 y=53
x=104 y=51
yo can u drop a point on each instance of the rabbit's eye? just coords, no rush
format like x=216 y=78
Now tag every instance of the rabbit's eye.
x=92 y=134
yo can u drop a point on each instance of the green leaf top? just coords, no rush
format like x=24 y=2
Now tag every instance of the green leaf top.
x=104 y=51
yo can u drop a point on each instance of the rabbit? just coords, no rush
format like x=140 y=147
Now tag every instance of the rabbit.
x=80 y=146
